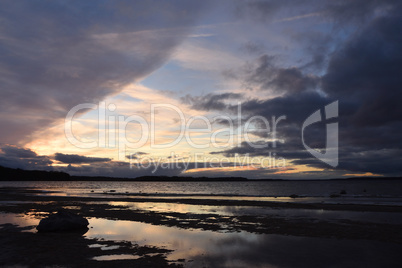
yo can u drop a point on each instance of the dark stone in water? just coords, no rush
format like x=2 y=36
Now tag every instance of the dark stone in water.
x=63 y=221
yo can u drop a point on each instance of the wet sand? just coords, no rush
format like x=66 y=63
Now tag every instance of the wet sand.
x=71 y=250
x=75 y=250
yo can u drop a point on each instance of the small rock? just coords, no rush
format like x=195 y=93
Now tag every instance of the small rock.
x=63 y=221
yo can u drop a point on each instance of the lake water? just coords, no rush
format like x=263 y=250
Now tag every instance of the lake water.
x=364 y=191
x=369 y=188
x=201 y=248
x=207 y=248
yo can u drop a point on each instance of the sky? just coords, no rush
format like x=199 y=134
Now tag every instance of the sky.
x=258 y=89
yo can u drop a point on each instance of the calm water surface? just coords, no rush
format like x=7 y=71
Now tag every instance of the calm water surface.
x=201 y=248
x=372 y=188
x=236 y=249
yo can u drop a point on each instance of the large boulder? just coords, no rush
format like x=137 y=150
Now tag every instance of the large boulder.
x=63 y=221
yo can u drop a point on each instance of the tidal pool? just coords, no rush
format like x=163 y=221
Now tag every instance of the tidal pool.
x=201 y=248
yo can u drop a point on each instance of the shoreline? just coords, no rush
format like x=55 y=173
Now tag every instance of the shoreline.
x=23 y=194
x=37 y=204
x=102 y=208
x=12 y=174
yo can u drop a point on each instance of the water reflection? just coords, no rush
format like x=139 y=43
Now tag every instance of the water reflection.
x=114 y=257
x=243 y=249
x=20 y=220
x=319 y=214
x=367 y=188
x=187 y=244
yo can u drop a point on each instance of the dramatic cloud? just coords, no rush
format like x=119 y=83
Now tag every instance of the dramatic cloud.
x=210 y=101
x=266 y=76
x=136 y=155
x=58 y=54
x=330 y=22
x=78 y=159
x=366 y=71
x=341 y=12
x=17 y=157
x=362 y=74
x=278 y=58
x=143 y=165
x=13 y=151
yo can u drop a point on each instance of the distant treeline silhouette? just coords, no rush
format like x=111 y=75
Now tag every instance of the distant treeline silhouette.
x=11 y=174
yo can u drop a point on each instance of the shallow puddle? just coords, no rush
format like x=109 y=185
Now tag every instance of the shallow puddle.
x=201 y=248
x=242 y=249
x=319 y=214
x=20 y=220
x=104 y=247
x=114 y=257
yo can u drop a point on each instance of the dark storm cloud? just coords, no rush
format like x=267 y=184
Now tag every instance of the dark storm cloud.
x=338 y=18
x=263 y=73
x=266 y=76
x=124 y=170
x=27 y=159
x=78 y=159
x=149 y=168
x=136 y=155
x=357 y=11
x=56 y=54
x=367 y=71
x=293 y=80
x=23 y=158
x=17 y=157
x=317 y=46
x=363 y=74
x=280 y=150
x=295 y=106
x=210 y=101
x=341 y=12
x=14 y=151
x=385 y=161
x=141 y=153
